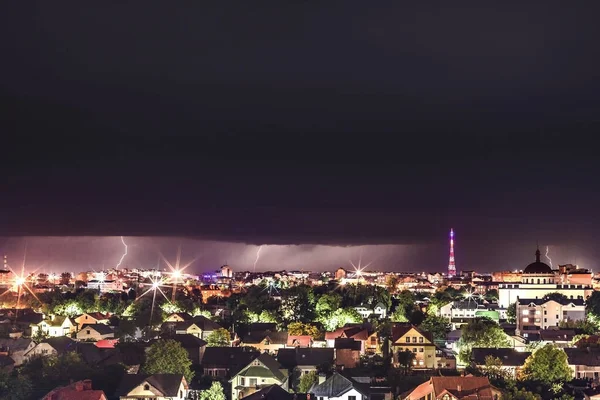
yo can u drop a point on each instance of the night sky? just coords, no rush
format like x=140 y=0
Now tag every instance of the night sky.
x=297 y=123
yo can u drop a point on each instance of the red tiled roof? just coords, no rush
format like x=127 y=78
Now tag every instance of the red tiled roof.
x=107 y=343
x=302 y=341
x=354 y=332
x=77 y=391
x=471 y=387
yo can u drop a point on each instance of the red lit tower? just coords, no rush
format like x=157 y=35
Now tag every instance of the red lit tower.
x=451 y=265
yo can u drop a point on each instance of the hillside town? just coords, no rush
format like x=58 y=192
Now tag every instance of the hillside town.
x=346 y=334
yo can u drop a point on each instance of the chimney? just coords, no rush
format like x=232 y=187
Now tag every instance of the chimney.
x=87 y=384
x=322 y=378
x=79 y=387
x=458 y=388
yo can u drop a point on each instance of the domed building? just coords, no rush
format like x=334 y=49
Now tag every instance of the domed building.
x=537 y=280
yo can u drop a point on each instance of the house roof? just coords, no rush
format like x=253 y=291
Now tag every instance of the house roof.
x=274 y=392
x=183 y=315
x=30 y=318
x=15 y=344
x=336 y=385
x=299 y=340
x=94 y=355
x=188 y=341
x=557 y=334
x=539 y=302
x=271 y=368
x=274 y=337
x=509 y=357
x=232 y=358
x=61 y=344
x=471 y=387
x=355 y=332
x=262 y=326
x=96 y=315
x=6 y=361
x=167 y=384
x=71 y=393
x=347 y=344
x=305 y=356
x=100 y=328
x=107 y=343
x=58 y=320
x=206 y=324
x=585 y=356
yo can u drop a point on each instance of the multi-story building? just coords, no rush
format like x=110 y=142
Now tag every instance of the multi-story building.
x=409 y=337
x=538 y=280
x=534 y=315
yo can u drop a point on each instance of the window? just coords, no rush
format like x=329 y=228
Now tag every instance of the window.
x=89 y=332
x=242 y=381
x=556 y=316
x=525 y=319
x=407 y=339
x=253 y=382
x=420 y=349
x=545 y=312
x=351 y=397
x=414 y=349
x=373 y=340
x=545 y=319
x=414 y=339
x=525 y=312
x=146 y=387
x=421 y=339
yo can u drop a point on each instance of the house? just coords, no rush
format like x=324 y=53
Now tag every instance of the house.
x=454 y=388
x=301 y=361
x=223 y=362
x=55 y=326
x=95 y=332
x=263 y=371
x=299 y=341
x=25 y=320
x=179 y=317
x=534 y=315
x=584 y=362
x=512 y=360
x=92 y=318
x=16 y=349
x=81 y=390
x=199 y=326
x=52 y=346
x=98 y=357
x=269 y=342
x=153 y=387
x=347 y=352
x=192 y=344
x=339 y=387
x=369 y=340
x=409 y=337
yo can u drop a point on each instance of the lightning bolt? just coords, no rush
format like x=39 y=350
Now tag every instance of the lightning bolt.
x=124 y=254
x=257 y=257
x=547 y=256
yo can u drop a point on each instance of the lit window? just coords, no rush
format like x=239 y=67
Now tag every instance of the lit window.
x=525 y=319
x=525 y=312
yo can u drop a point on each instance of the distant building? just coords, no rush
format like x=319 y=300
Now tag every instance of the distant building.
x=226 y=271
x=538 y=280
x=105 y=286
x=340 y=274
x=454 y=387
x=534 y=315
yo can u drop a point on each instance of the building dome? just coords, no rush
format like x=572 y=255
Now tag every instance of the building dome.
x=537 y=267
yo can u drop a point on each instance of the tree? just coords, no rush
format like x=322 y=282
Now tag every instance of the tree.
x=592 y=304
x=299 y=329
x=494 y=371
x=391 y=283
x=586 y=327
x=168 y=357
x=215 y=392
x=547 y=365
x=491 y=295
x=519 y=394
x=437 y=326
x=219 y=338
x=341 y=317
x=405 y=359
x=15 y=386
x=327 y=304
x=556 y=296
x=511 y=313
x=307 y=381
x=399 y=315
x=65 y=278
x=480 y=332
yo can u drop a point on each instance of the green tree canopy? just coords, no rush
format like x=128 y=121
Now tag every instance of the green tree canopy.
x=547 y=365
x=327 y=304
x=480 y=332
x=168 y=357
x=307 y=381
x=341 y=317
x=592 y=304
x=219 y=338
x=556 y=296
x=15 y=386
x=215 y=392
x=511 y=313
x=437 y=326
x=491 y=295
x=405 y=359
x=299 y=328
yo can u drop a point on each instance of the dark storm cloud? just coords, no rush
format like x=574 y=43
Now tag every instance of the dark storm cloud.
x=303 y=123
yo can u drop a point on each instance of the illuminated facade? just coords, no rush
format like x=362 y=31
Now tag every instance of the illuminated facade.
x=537 y=280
